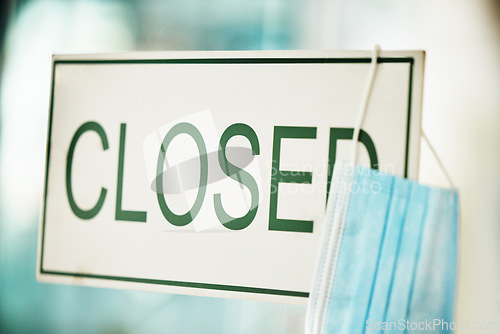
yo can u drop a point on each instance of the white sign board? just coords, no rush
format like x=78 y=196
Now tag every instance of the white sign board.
x=207 y=173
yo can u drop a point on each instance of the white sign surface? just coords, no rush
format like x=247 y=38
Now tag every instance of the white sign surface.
x=207 y=173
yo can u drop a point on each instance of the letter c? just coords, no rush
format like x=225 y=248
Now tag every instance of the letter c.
x=80 y=213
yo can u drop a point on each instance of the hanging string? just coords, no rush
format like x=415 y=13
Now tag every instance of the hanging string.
x=364 y=103
x=362 y=114
x=436 y=156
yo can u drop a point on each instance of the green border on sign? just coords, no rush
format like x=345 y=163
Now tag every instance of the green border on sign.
x=210 y=286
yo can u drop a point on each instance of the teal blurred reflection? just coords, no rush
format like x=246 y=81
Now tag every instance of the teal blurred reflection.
x=37 y=29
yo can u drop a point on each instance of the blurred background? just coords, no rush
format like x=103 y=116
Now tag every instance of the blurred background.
x=461 y=116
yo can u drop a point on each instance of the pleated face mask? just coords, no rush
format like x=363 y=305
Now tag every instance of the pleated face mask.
x=388 y=258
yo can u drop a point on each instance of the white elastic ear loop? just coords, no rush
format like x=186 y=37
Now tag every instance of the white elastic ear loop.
x=364 y=104
x=436 y=156
x=315 y=318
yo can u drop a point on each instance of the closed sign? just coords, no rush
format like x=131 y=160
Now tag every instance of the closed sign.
x=208 y=173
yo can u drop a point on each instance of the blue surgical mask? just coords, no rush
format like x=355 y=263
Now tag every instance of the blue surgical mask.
x=388 y=258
